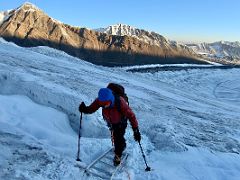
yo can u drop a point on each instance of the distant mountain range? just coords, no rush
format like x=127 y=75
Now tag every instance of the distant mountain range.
x=222 y=50
x=150 y=38
x=118 y=44
x=29 y=26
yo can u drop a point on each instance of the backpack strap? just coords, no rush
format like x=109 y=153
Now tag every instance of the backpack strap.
x=118 y=102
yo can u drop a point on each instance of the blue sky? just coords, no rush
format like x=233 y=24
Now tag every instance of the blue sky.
x=181 y=20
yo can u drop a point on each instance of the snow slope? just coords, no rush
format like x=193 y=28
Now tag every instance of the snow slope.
x=189 y=120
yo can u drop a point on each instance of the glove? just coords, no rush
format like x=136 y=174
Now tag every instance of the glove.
x=82 y=107
x=136 y=134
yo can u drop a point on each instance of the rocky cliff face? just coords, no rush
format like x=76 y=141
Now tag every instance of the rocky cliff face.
x=30 y=26
x=150 y=38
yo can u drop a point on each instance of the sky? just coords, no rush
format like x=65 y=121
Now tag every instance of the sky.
x=180 y=20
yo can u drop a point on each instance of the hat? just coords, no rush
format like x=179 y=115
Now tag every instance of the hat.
x=105 y=94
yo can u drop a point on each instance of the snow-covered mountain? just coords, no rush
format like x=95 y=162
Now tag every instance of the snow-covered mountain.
x=4 y=15
x=189 y=120
x=29 y=26
x=151 y=38
x=143 y=35
x=221 y=50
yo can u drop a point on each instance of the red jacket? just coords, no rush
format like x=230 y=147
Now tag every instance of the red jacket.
x=112 y=114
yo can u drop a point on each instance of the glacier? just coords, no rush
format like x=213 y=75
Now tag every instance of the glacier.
x=189 y=119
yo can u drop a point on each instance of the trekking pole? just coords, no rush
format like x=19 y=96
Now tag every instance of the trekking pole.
x=112 y=138
x=147 y=167
x=79 y=136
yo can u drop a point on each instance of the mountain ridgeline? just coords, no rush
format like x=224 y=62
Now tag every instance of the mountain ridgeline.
x=29 y=26
x=222 y=50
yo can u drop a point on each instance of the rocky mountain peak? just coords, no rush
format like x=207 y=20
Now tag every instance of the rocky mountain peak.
x=27 y=6
x=120 y=30
x=123 y=45
x=151 y=38
x=21 y=13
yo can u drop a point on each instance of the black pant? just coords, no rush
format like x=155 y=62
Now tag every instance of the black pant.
x=118 y=137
